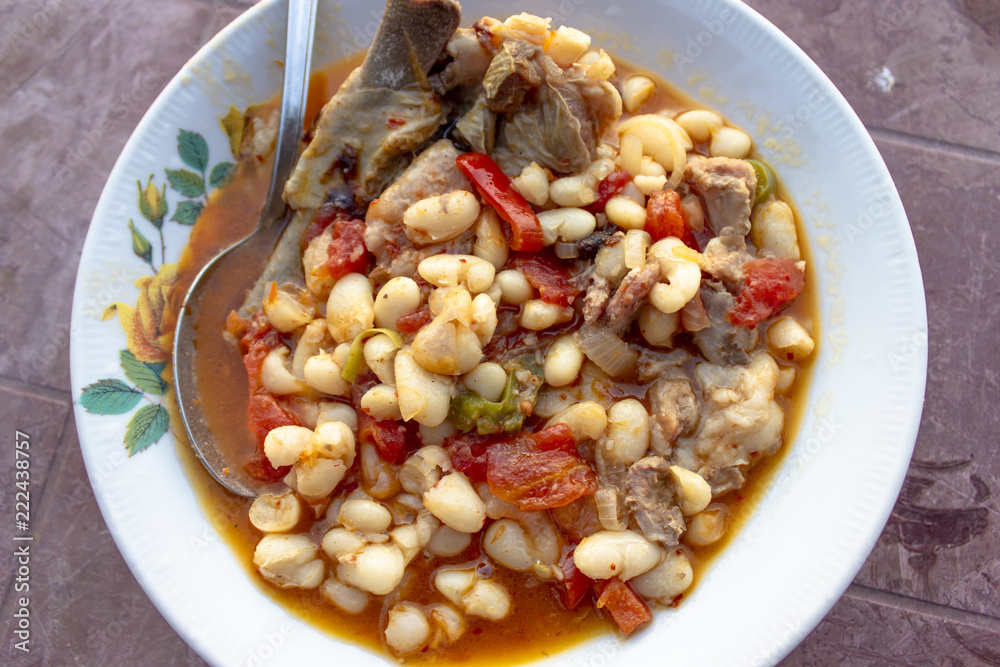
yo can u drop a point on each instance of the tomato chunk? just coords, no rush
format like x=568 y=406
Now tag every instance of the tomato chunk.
x=666 y=217
x=347 y=252
x=628 y=610
x=414 y=322
x=770 y=286
x=388 y=436
x=536 y=472
x=264 y=414
x=469 y=454
x=523 y=230
x=608 y=188
x=549 y=277
x=575 y=584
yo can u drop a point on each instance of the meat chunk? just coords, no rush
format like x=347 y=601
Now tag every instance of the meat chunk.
x=560 y=122
x=740 y=424
x=651 y=498
x=727 y=187
x=674 y=410
x=469 y=61
x=630 y=295
x=723 y=342
x=596 y=298
x=432 y=173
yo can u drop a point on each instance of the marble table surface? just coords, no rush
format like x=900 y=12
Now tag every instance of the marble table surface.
x=924 y=75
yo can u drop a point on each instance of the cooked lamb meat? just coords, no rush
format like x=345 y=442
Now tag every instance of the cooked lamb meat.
x=740 y=420
x=630 y=295
x=432 y=173
x=723 y=342
x=727 y=187
x=596 y=298
x=674 y=412
x=650 y=497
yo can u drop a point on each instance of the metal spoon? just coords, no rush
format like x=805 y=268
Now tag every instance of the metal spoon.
x=300 y=30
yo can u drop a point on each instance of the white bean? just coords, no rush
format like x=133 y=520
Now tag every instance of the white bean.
x=350 y=308
x=488 y=380
x=382 y=403
x=456 y=504
x=376 y=568
x=310 y=343
x=610 y=262
x=628 y=434
x=533 y=184
x=650 y=184
x=423 y=396
x=706 y=527
x=454 y=584
x=636 y=91
x=574 y=191
x=449 y=542
x=448 y=625
x=514 y=287
x=601 y=69
x=656 y=327
x=789 y=340
x=399 y=296
x=289 y=561
x=323 y=374
x=317 y=477
x=490 y=242
x=488 y=599
x=448 y=270
x=484 y=318
x=538 y=315
x=349 y=599
x=601 y=168
x=441 y=218
x=271 y=513
x=288 y=311
x=693 y=491
x=406 y=629
x=624 y=554
x=330 y=411
x=435 y=435
x=380 y=352
x=506 y=542
x=699 y=123
x=729 y=142
x=365 y=515
x=587 y=420
x=275 y=375
x=625 y=212
x=773 y=231
x=339 y=542
x=568 y=224
x=631 y=154
x=671 y=577
x=563 y=361
x=682 y=276
x=284 y=445
x=567 y=45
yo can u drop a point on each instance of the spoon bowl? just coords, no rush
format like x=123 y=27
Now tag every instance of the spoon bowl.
x=252 y=250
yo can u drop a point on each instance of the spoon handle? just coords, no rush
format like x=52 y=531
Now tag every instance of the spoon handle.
x=300 y=29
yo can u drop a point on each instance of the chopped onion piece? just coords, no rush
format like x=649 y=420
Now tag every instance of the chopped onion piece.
x=565 y=250
x=605 y=349
x=606 y=498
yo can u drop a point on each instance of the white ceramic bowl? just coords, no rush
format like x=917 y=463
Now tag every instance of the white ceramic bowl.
x=811 y=530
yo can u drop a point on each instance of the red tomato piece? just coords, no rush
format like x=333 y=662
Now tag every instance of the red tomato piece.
x=258 y=339
x=666 y=217
x=347 y=252
x=415 y=321
x=523 y=230
x=264 y=414
x=549 y=277
x=388 y=436
x=538 y=480
x=469 y=454
x=628 y=610
x=770 y=286
x=575 y=584
x=608 y=188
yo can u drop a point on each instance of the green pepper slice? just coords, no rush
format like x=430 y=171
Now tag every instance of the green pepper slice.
x=470 y=410
x=765 y=181
x=356 y=356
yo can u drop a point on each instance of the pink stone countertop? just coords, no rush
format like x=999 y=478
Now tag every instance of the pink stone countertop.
x=924 y=75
